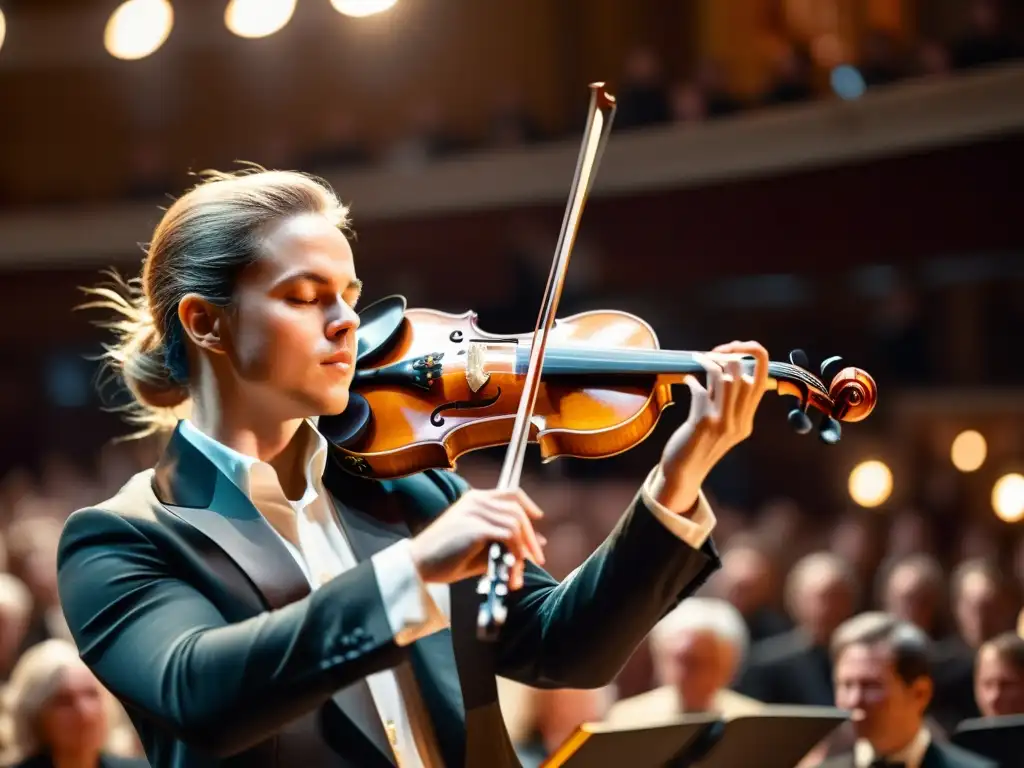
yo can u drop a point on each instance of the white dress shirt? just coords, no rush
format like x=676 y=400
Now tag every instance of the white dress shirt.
x=309 y=530
x=911 y=755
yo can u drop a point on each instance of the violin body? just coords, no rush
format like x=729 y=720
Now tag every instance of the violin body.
x=435 y=386
x=425 y=412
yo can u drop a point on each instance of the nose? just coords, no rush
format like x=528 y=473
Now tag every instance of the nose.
x=341 y=319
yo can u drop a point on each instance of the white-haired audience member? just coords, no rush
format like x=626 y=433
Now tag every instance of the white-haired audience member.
x=697 y=649
x=55 y=713
x=15 y=617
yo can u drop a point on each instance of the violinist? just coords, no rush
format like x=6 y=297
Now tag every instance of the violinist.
x=252 y=603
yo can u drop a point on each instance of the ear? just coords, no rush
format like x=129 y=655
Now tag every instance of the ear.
x=203 y=322
x=922 y=690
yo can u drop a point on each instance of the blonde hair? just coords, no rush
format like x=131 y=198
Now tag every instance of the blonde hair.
x=35 y=679
x=202 y=243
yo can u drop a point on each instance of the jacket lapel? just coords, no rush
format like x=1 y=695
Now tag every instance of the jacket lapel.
x=433 y=657
x=192 y=489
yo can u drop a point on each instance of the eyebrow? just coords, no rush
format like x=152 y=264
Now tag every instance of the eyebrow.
x=354 y=285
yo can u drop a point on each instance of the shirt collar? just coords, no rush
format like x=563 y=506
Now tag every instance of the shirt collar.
x=911 y=755
x=238 y=467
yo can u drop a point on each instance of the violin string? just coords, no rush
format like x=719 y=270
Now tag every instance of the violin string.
x=612 y=356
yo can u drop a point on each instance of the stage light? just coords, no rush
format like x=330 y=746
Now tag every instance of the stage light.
x=360 y=8
x=1008 y=497
x=3 y=28
x=870 y=483
x=137 y=28
x=968 y=451
x=258 y=18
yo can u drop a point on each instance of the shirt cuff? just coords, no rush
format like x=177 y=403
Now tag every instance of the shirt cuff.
x=693 y=529
x=412 y=612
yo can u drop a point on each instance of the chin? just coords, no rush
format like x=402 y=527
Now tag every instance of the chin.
x=333 y=403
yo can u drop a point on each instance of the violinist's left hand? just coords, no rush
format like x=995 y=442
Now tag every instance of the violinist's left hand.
x=721 y=416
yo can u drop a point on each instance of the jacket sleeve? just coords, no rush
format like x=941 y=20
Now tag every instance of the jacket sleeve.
x=164 y=649
x=581 y=632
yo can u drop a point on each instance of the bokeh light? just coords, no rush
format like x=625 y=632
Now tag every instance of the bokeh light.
x=870 y=483
x=361 y=8
x=258 y=18
x=968 y=451
x=137 y=28
x=1008 y=497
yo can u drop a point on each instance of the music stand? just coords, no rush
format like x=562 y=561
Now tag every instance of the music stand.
x=777 y=737
x=600 y=745
x=997 y=738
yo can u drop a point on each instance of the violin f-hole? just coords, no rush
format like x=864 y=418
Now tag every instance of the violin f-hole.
x=462 y=405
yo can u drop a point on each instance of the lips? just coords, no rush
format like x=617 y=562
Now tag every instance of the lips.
x=343 y=357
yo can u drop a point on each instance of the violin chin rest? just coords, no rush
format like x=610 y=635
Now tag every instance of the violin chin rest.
x=347 y=428
x=379 y=324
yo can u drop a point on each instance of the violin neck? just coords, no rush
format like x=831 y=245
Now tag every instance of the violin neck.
x=611 y=361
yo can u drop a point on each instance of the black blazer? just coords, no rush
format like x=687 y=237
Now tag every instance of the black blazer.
x=938 y=755
x=186 y=605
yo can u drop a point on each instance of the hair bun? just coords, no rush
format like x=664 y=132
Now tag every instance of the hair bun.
x=146 y=373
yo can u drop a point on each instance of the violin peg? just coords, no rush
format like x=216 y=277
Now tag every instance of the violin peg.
x=830 y=431
x=831 y=363
x=800 y=421
x=798 y=358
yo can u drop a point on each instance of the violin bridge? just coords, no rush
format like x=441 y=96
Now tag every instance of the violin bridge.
x=475 y=375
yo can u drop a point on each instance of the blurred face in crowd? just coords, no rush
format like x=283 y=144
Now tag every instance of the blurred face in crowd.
x=998 y=685
x=823 y=602
x=13 y=626
x=698 y=663
x=910 y=596
x=887 y=711
x=74 y=721
x=982 y=609
x=745 y=579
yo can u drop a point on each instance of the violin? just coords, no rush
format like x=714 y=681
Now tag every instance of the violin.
x=431 y=386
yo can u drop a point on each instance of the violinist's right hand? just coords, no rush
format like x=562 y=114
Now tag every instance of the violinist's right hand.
x=454 y=546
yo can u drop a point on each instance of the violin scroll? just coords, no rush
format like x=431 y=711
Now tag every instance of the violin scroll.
x=851 y=396
x=854 y=393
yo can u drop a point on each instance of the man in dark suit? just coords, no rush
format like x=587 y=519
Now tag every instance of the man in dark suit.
x=882 y=677
x=252 y=604
x=794 y=667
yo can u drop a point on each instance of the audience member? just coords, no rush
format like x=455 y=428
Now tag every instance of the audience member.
x=642 y=94
x=913 y=588
x=794 y=668
x=748 y=581
x=986 y=40
x=882 y=677
x=697 y=650
x=999 y=676
x=55 y=713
